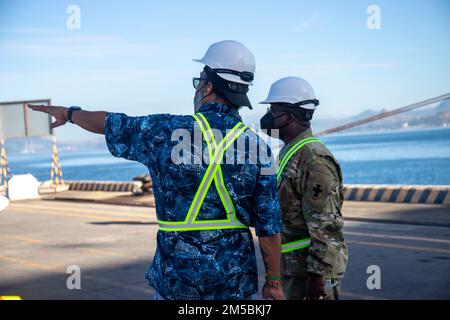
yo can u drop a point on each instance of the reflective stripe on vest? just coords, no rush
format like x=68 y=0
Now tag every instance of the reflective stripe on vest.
x=303 y=243
x=213 y=172
x=284 y=159
x=295 y=245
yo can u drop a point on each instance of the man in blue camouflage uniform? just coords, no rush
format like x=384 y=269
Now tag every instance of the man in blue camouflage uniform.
x=202 y=264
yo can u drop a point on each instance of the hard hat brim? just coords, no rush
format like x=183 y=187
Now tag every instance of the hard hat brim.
x=199 y=61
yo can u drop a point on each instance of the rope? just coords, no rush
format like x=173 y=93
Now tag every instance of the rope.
x=385 y=115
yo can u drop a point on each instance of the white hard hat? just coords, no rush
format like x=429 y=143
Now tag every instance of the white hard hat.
x=231 y=60
x=292 y=90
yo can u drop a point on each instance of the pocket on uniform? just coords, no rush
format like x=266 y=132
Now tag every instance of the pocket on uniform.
x=294 y=263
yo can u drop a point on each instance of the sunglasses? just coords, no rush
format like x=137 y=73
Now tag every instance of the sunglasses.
x=285 y=113
x=196 y=82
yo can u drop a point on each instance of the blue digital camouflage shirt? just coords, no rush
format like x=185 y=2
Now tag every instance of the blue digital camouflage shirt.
x=211 y=264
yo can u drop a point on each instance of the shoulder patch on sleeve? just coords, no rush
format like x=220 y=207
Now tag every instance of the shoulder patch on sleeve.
x=318 y=187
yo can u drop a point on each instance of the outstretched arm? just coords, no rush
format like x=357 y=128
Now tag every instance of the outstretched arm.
x=93 y=121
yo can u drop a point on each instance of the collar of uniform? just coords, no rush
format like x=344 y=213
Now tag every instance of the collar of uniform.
x=220 y=108
x=303 y=135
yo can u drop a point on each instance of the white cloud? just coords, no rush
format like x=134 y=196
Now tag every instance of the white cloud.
x=51 y=43
x=330 y=66
x=408 y=50
x=75 y=47
x=32 y=31
x=306 y=24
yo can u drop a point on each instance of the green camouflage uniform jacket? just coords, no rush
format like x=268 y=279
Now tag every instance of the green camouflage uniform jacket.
x=311 y=195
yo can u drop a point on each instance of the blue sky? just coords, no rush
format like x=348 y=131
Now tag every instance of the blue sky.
x=135 y=56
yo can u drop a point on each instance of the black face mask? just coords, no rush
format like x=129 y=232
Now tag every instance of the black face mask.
x=268 y=122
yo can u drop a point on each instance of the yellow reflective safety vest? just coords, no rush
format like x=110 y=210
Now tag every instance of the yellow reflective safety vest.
x=213 y=173
x=284 y=160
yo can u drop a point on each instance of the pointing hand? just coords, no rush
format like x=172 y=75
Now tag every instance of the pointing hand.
x=59 y=113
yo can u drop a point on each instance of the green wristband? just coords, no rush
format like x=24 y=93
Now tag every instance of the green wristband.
x=274 y=278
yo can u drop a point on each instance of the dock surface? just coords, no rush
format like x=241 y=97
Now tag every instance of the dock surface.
x=114 y=244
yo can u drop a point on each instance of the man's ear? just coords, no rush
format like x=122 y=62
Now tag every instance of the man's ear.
x=209 y=89
x=292 y=118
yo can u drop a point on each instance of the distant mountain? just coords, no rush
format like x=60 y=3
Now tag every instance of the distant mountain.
x=364 y=114
x=428 y=117
x=444 y=106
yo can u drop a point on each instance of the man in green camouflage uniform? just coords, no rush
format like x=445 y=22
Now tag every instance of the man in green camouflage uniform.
x=311 y=195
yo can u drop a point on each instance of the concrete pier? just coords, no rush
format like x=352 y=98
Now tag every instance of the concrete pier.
x=113 y=244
